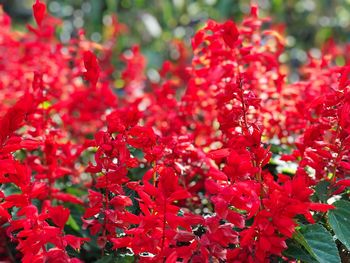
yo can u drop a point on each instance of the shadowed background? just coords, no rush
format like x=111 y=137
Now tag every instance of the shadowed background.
x=153 y=23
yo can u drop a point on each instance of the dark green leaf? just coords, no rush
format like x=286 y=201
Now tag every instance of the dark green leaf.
x=322 y=190
x=106 y=259
x=113 y=259
x=301 y=240
x=296 y=251
x=321 y=243
x=339 y=219
x=125 y=259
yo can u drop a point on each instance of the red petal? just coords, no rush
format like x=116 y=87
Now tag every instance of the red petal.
x=121 y=242
x=59 y=215
x=320 y=207
x=345 y=165
x=230 y=34
x=218 y=154
x=216 y=174
x=345 y=182
x=75 y=242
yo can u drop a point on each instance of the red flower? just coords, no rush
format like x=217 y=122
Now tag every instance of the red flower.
x=39 y=10
x=92 y=68
x=230 y=33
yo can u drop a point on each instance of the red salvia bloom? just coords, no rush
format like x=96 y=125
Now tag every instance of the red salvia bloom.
x=39 y=10
x=173 y=168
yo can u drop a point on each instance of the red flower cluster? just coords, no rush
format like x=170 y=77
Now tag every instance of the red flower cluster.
x=175 y=169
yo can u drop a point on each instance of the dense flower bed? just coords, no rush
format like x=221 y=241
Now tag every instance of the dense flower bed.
x=216 y=160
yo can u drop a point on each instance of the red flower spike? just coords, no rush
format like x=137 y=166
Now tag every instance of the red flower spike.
x=92 y=68
x=230 y=33
x=39 y=10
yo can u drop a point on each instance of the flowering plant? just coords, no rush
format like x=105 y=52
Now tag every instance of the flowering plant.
x=218 y=159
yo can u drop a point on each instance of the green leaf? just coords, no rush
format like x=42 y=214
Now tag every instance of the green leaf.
x=72 y=223
x=301 y=240
x=339 y=219
x=321 y=243
x=322 y=190
x=106 y=259
x=296 y=251
x=125 y=259
x=75 y=191
x=113 y=259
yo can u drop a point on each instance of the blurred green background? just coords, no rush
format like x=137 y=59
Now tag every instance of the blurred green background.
x=153 y=23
